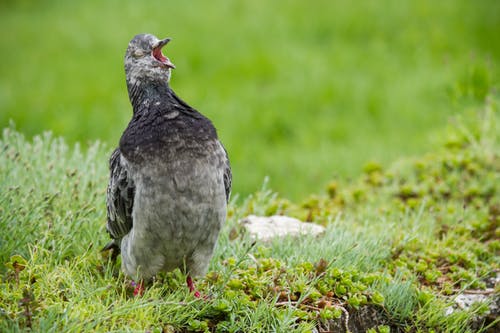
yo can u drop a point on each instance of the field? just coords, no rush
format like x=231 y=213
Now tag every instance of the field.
x=379 y=121
x=402 y=241
x=301 y=93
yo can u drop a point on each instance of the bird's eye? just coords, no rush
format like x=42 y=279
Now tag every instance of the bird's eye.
x=138 y=53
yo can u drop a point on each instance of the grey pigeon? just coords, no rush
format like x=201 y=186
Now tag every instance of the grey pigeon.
x=170 y=178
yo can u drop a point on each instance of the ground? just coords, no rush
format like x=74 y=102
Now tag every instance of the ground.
x=400 y=239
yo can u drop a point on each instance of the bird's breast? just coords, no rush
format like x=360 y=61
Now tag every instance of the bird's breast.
x=187 y=181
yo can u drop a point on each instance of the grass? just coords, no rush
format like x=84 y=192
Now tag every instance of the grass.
x=324 y=87
x=399 y=239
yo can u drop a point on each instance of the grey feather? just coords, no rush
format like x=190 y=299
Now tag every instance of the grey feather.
x=120 y=198
x=228 y=176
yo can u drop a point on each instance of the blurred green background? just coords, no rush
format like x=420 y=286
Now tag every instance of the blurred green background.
x=300 y=91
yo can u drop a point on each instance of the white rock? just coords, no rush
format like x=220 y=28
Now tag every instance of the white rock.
x=466 y=300
x=267 y=227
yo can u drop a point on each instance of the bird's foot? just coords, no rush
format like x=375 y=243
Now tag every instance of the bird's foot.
x=138 y=288
x=192 y=288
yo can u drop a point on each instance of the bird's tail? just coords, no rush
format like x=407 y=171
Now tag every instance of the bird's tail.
x=113 y=245
x=114 y=250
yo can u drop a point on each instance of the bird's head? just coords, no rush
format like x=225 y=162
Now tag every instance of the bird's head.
x=144 y=59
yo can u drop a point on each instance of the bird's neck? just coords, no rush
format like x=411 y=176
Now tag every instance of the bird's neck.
x=145 y=92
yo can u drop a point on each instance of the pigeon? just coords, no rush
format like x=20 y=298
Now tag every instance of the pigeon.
x=170 y=177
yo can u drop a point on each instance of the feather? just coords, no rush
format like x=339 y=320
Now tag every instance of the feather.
x=120 y=198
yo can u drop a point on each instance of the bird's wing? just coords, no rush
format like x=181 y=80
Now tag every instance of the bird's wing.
x=228 y=176
x=120 y=198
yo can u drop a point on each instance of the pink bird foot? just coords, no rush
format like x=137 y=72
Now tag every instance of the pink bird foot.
x=192 y=288
x=138 y=288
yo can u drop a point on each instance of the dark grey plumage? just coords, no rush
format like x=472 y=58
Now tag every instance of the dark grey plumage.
x=170 y=177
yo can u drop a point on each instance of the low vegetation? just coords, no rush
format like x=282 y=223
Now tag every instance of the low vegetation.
x=403 y=240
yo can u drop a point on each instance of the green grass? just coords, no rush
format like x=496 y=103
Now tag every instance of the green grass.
x=299 y=92
x=397 y=238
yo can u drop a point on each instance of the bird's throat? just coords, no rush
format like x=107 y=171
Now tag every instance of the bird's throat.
x=144 y=93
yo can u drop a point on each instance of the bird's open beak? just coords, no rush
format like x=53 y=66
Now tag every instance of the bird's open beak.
x=158 y=55
x=164 y=42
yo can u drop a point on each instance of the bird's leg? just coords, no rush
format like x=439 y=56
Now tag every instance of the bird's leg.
x=191 y=287
x=138 y=288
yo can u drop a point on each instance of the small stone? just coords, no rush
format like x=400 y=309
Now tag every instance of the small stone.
x=266 y=228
